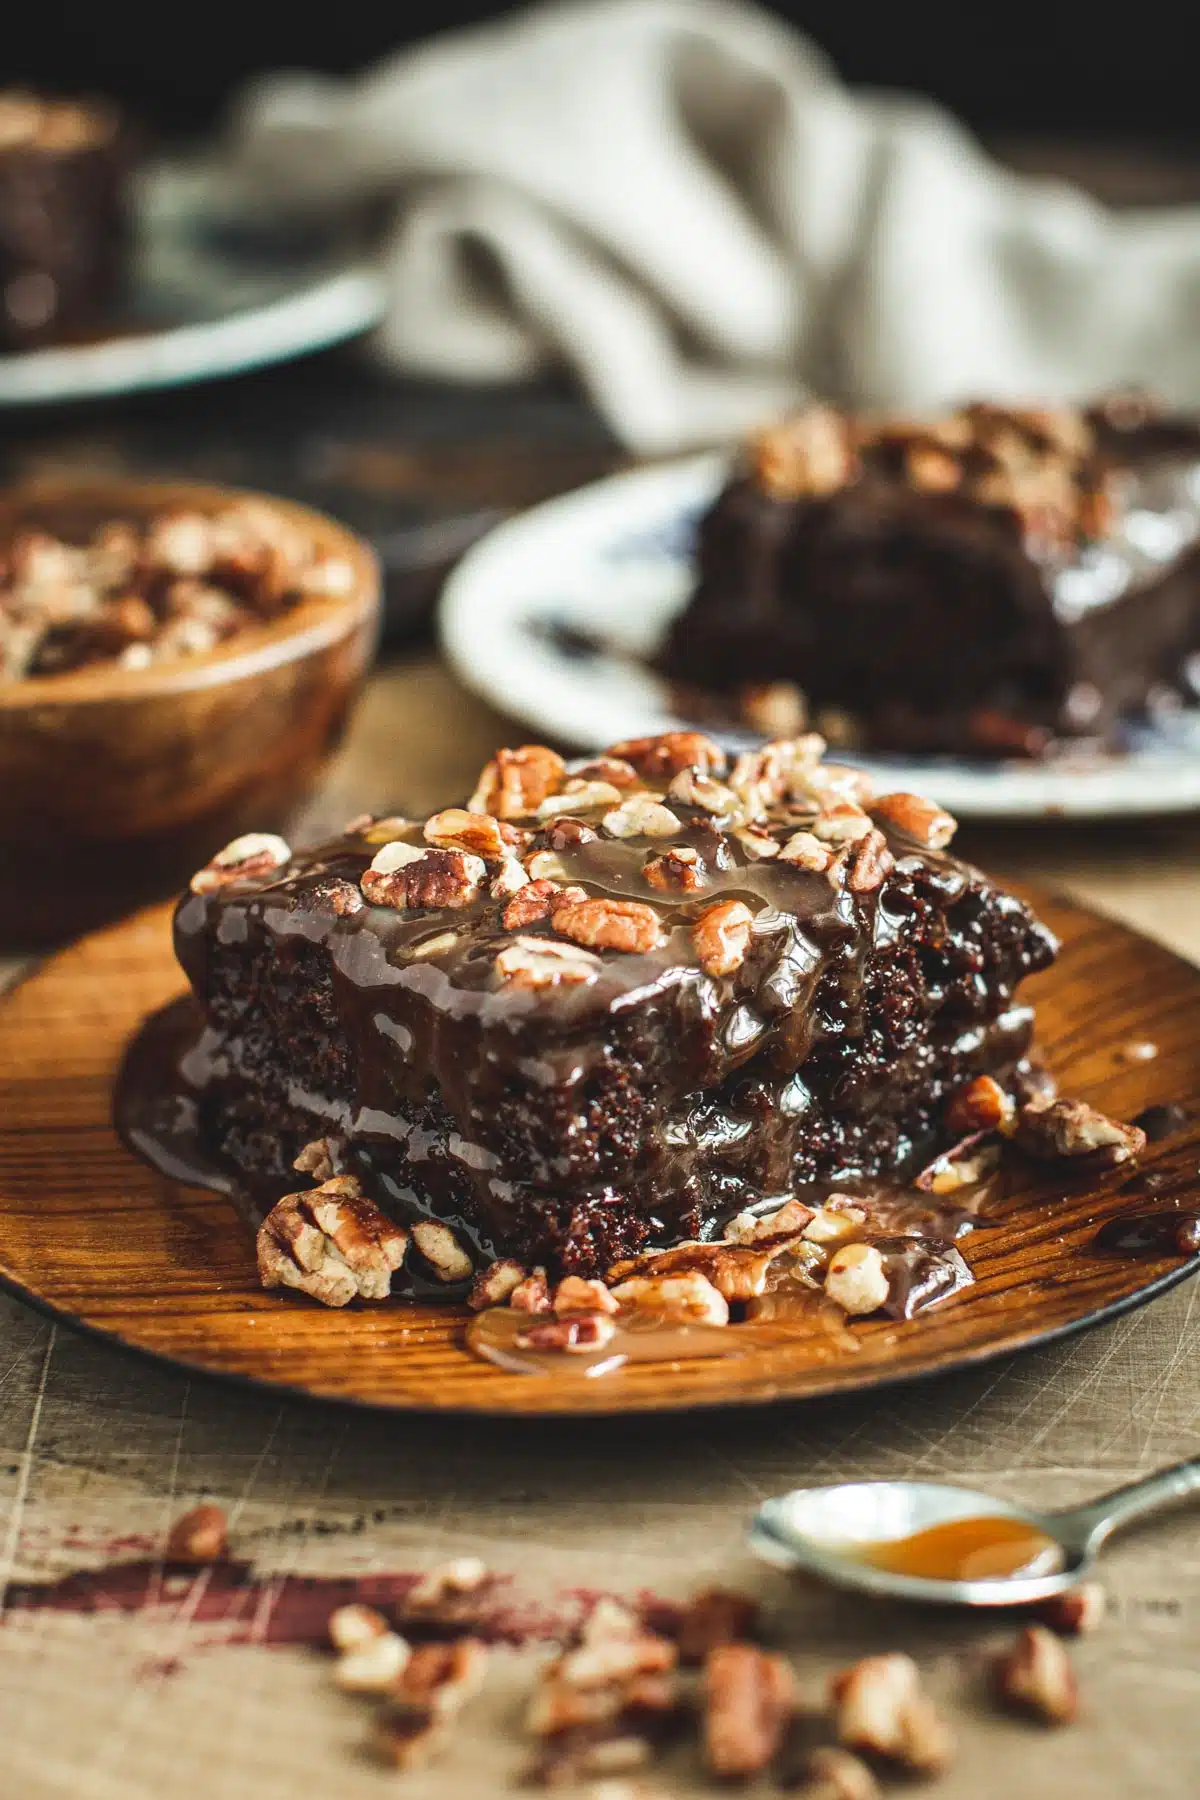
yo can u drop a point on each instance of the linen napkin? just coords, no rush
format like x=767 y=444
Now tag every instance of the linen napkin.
x=679 y=201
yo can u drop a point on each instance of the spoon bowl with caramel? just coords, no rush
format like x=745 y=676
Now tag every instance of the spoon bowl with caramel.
x=922 y=1540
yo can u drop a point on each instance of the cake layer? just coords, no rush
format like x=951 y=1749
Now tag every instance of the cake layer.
x=983 y=582
x=616 y=1009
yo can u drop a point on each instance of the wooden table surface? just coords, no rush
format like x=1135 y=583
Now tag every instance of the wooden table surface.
x=99 y=1451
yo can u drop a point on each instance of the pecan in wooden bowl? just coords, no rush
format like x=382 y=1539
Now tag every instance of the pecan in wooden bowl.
x=176 y=660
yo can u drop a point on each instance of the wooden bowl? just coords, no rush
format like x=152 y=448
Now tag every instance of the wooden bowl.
x=116 y=783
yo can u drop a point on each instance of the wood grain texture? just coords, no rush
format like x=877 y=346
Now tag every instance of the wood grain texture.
x=89 y=1232
x=115 y=783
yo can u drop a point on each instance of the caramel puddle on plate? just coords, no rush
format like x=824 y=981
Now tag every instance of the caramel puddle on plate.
x=982 y=1548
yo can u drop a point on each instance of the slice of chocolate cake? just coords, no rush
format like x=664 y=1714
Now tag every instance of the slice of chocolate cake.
x=986 y=582
x=63 y=224
x=606 y=1007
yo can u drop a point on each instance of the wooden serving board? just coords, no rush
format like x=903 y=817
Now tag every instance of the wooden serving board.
x=105 y=1243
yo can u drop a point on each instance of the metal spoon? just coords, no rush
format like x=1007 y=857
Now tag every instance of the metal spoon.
x=828 y=1531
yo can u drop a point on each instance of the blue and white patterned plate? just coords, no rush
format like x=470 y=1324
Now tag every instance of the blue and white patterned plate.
x=553 y=618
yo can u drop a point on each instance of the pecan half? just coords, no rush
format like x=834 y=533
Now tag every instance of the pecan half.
x=694 y=789
x=613 y=769
x=660 y=758
x=1035 y=1674
x=247 y=858
x=930 y=826
x=843 y=822
x=515 y=782
x=605 y=924
x=1074 y=1131
x=807 y=852
x=721 y=937
x=331 y=1243
x=749 y=1697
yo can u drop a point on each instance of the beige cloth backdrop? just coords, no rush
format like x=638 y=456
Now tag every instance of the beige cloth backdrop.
x=97 y=1446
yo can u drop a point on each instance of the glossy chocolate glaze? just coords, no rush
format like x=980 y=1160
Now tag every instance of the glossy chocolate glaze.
x=938 y=621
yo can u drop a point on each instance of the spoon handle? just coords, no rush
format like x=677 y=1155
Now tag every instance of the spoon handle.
x=1094 y=1523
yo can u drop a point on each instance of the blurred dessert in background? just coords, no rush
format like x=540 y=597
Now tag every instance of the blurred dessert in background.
x=63 y=233
x=988 y=582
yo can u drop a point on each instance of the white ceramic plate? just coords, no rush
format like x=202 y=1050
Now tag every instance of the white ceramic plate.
x=553 y=616
x=209 y=294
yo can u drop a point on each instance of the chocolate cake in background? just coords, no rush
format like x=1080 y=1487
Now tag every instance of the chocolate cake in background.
x=604 y=1008
x=63 y=233
x=986 y=582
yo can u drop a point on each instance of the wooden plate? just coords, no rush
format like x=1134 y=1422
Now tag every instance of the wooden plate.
x=102 y=1242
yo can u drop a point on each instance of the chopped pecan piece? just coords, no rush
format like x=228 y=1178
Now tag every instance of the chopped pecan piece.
x=694 y=789
x=688 y=1298
x=373 y=1666
x=721 y=937
x=496 y=1284
x=433 y=878
x=715 y=1616
x=776 y=708
x=605 y=924
x=331 y=1243
x=965 y=1163
x=532 y=1295
x=641 y=815
x=832 y=1774
x=579 y=796
x=760 y=846
x=566 y=833
x=442 y=1250
x=810 y=453
x=856 y=1279
x=575 y=1335
x=982 y=1105
x=660 y=758
x=448 y=1581
x=737 y=1271
x=537 y=962
x=835 y=1222
x=443 y=1676
x=351 y=1626
x=319 y=1159
x=1071 y=1129
x=515 y=782
x=535 y=902
x=842 y=822
x=748 y=1699
x=1036 y=1675
x=247 y=858
x=200 y=1536
x=1076 y=1613
x=574 y=1295
x=807 y=852
x=677 y=870
x=613 y=769
x=882 y=1710
x=871 y=862
x=930 y=826
x=509 y=879
x=457 y=829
